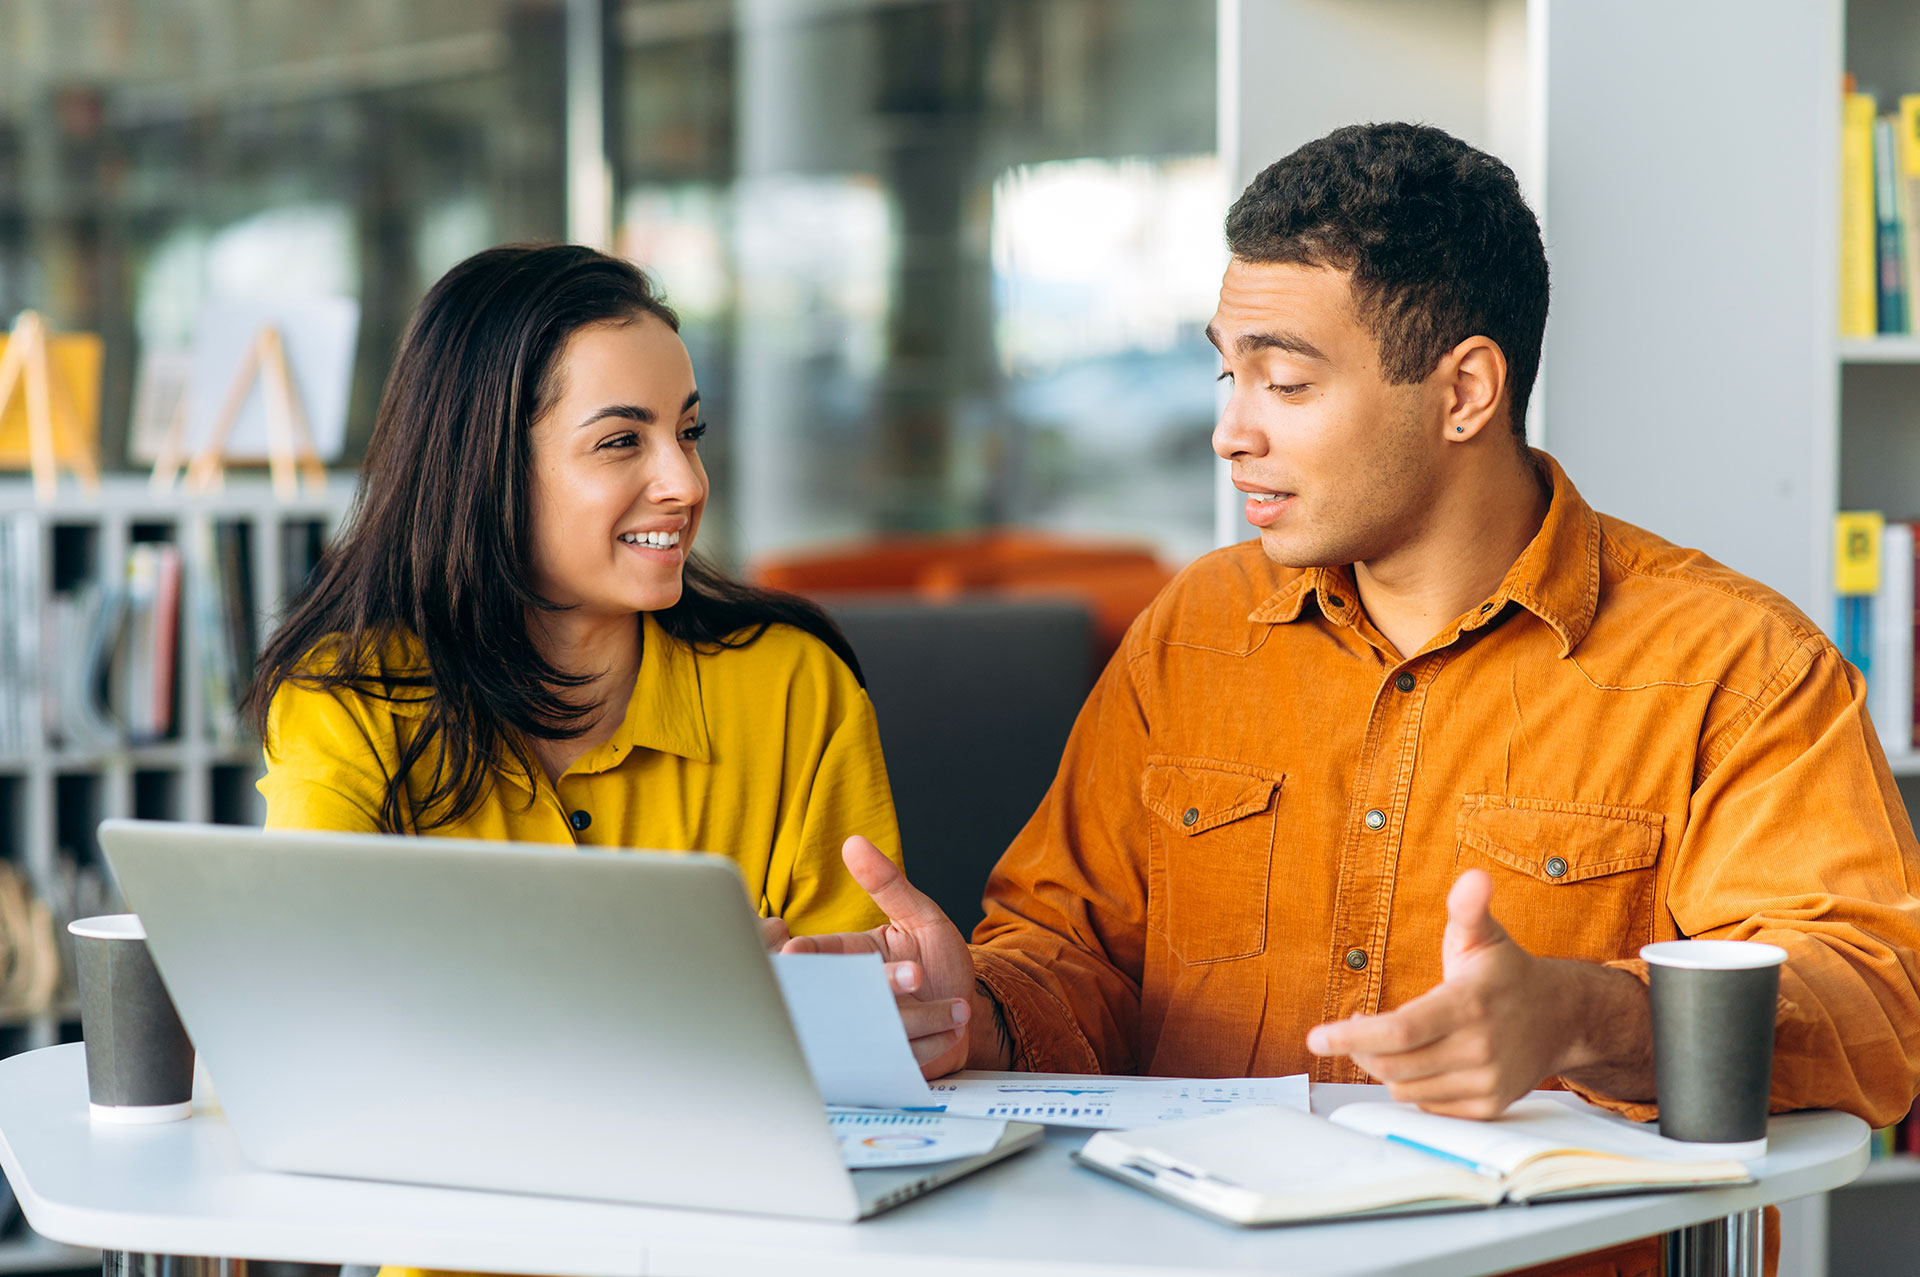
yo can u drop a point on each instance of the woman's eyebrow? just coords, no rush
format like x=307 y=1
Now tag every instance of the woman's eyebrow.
x=633 y=412
x=630 y=412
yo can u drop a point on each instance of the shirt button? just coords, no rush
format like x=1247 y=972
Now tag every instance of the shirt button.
x=1357 y=959
x=579 y=820
x=1404 y=682
x=1376 y=819
x=1192 y=814
x=1556 y=868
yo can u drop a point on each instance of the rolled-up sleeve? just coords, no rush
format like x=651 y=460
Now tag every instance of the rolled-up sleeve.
x=1066 y=908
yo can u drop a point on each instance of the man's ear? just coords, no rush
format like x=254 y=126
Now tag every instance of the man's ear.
x=1473 y=381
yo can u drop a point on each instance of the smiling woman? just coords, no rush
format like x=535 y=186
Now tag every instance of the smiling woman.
x=513 y=640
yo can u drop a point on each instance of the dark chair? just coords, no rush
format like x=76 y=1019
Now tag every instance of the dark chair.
x=975 y=699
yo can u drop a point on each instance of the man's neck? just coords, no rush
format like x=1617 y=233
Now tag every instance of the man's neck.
x=1466 y=550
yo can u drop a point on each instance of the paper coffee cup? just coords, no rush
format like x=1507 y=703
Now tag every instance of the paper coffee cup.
x=1713 y=1011
x=139 y=1061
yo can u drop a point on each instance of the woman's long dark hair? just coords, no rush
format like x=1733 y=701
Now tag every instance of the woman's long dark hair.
x=437 y=544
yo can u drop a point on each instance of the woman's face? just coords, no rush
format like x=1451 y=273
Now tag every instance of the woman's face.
x=618 y=487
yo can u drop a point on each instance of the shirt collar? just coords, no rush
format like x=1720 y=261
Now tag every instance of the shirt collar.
x=665 y=712
x=1557 y=577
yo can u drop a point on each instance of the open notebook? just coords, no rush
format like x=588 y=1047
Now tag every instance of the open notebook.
x=1276 y=1166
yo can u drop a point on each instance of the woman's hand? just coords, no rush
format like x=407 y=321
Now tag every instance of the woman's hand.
x=774 y=934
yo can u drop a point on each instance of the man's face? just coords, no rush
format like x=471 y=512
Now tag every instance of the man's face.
x=1339 y=466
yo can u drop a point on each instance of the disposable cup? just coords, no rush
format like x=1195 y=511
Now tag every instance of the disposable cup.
x=1713 y=1014
x=139 y=1061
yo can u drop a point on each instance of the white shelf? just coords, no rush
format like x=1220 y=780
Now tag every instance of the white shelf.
x=31 y=1253
x=1879 y=350
x=1901 y=1168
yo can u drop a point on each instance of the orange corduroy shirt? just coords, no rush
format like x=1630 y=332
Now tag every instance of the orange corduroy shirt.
x=1263 y=805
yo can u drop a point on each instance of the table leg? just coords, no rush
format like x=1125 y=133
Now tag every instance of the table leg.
x=1729 y=1247
x=121 y=1263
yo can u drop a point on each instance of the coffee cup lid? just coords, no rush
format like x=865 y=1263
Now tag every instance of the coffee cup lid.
x=1714 y=955
x=109 y=926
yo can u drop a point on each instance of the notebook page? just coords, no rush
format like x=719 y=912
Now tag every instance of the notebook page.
x=1529 y=1129
x=1293 y=1163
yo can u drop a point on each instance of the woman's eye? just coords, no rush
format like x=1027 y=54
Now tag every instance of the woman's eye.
x=1287 y=390
x=628 y=440
x=693 y=434
x=1224 y=376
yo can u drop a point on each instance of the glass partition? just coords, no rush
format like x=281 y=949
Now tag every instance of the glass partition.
x=944 y=265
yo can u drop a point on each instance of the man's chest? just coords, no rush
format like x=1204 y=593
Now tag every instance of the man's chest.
x=1304 y=830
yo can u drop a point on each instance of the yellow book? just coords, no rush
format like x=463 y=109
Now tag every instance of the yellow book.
x=1856 y=551
x=1859 y=315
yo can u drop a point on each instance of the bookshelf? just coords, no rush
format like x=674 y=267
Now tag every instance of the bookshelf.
x=54 y=794
x=1879 y=350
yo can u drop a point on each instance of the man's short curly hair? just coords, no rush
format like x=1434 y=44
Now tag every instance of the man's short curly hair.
x=1440 y=244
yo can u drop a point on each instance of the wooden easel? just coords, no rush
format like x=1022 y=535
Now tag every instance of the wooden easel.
x=291 y=454
x=53 y=426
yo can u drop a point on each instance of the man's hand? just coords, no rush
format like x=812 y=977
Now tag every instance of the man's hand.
x=928 y=963
x=1500 y=1021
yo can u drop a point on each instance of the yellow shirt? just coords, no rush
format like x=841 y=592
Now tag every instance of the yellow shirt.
x=767 y=754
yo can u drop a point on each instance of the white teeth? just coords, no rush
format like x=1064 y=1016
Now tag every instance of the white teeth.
x=654 y=540
x=1264 y=496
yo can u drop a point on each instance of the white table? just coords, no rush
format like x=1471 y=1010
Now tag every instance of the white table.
x=184 y=1189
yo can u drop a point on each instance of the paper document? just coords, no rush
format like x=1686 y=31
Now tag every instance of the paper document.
x=850 y=1030
x=1109 y=1103
x=869 y=1138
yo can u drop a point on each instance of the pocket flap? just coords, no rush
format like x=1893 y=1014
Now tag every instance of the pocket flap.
x=1194 y=797
x=1560 y=842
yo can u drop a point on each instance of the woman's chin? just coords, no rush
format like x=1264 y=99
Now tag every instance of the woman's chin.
x=658 y=600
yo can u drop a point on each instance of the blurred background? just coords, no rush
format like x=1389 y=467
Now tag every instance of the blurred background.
x=943 y=267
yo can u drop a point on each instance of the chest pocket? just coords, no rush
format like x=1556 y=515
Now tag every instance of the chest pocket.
x=1570 y=880
x=1211 y=855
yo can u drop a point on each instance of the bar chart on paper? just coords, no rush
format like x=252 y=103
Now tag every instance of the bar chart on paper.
x=1060 y=1099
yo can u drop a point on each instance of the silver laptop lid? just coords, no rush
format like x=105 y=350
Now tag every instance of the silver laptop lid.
x=486 y=1015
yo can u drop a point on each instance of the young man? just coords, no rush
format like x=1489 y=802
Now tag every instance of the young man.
x=1398 y=791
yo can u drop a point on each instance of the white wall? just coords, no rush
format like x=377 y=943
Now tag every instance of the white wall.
x=1691 y=158
x=1679 y=155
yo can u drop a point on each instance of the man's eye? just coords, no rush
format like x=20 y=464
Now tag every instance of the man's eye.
x=693 y=434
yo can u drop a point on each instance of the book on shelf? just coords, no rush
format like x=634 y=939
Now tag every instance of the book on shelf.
x=1858 y=290
x=80 y=626
x=1877 y=618
x=1890 y=274
x=151 y=640
x=1879 y=237
x=221 y=598
x=95 y=667
x=1276 y=1165
x=20 y=635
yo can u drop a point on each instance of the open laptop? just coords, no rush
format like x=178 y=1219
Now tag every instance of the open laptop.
x=533 y=1019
